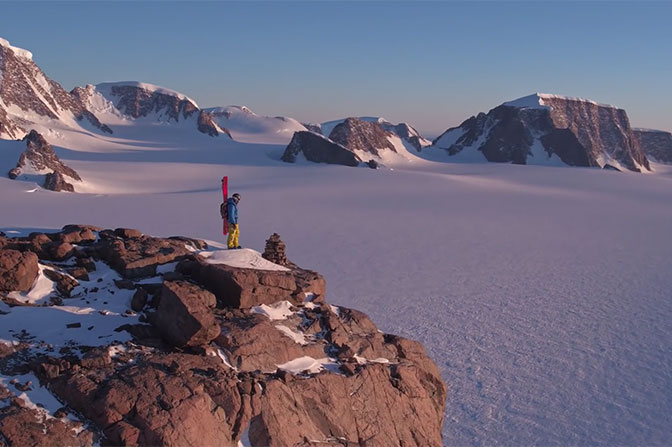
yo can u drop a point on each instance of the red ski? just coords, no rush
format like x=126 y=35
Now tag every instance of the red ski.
x=225 y=194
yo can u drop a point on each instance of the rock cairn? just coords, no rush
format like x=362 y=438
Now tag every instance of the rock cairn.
x=275 y=250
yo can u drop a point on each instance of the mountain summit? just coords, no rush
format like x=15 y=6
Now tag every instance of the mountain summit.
x=548 y=129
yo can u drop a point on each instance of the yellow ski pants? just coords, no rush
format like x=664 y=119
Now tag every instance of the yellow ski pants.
x=232 y=240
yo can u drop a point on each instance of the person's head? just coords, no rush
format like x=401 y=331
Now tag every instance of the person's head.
x=236 y=198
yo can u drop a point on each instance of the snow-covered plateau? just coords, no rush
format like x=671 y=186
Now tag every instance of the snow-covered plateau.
x=543 y=293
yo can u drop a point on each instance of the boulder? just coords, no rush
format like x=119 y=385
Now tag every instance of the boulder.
x=244 y=288
x=184 y=316
x=61 y=251
x=18 y=270
x=135 y=256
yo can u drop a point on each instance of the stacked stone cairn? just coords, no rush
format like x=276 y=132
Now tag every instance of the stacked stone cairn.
x=275 y=250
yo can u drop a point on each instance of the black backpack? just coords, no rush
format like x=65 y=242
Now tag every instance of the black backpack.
x=223 y=210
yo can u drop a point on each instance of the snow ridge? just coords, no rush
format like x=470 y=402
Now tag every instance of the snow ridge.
x=18 y=51
x=536 y=100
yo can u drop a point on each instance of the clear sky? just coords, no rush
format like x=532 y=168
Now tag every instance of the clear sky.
x=432 y=64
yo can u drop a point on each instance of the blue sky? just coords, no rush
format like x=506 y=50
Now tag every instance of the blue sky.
x=432 y=64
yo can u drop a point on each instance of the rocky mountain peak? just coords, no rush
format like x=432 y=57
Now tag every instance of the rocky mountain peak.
x=25 y=87
x=318 y=149
x=39 y=158
x=541 y=128
x=137 y=100
x=360 y=135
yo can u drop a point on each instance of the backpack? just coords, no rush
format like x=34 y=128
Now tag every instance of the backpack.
x=223 y=211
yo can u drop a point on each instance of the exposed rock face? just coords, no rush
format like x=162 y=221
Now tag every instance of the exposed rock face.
x=25 y=86
x=533 y=129
x=137 y=101
x=406 y=132
x=657 y=144
x=244 y=288
x=40 y=157
x=21 y=425
x=208 y=126
x=318 y=149
x=134 y=255
x=291 y=372
x=184 y=317
x=359 y=135
x=17 y=270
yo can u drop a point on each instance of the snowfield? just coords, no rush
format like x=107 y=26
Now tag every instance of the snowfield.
x=544 y=294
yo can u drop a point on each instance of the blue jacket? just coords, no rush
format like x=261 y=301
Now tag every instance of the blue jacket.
x=232 y=211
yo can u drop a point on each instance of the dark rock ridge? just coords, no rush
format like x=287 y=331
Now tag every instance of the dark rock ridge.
x=25 y=86
x=318 y=149
x=657 y=144
x=364 y=136
x=208 y=126
x=40 y=156
x=407 y=132
x=579 y=132
x=137 y=102
x=206 y=370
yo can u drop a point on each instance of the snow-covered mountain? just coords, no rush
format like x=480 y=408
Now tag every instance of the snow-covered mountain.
x=369 y=139
x=547 y=129
x=404 y=131
x=31 y=100
x=657 y=144
x=246 y=126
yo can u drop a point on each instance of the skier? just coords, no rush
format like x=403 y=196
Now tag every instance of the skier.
x=232 y=218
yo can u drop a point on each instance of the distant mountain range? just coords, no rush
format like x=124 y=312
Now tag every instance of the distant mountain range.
x=538 y=129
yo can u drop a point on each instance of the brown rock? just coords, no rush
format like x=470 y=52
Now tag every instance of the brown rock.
x=253 y=343
x=138 y=256
x=128 y=233
x=139 y=300
x=79 y=273
x=184 y=316
x=165 y=399
x=24 y=426
x=244 y=288
x=18 y=271
x=377 y=407
x=87 y=263
x=64 y=283
x=61 y=251
x=55 y=181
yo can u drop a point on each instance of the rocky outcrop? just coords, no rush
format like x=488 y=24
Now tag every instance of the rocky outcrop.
x=134 y=255
x=184 y=316
x=139 y=100
x=657 y=144
x=24 y=86
x=244 y=287
x=360 y=135
x=318 y=149
x=408 y=133
x=17 y=270
x=39 y=157
x=293 y=371
x=537 y=128
x=208 y=126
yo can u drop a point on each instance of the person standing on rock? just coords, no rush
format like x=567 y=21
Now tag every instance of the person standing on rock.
x=232 y=218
